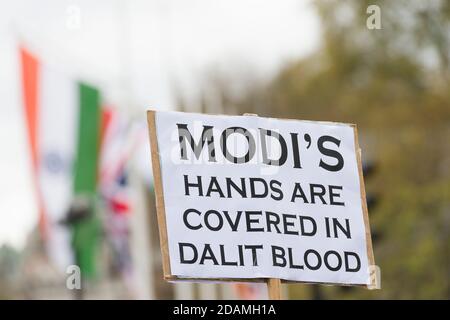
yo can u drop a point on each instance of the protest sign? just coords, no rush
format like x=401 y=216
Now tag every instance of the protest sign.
x=246 y=198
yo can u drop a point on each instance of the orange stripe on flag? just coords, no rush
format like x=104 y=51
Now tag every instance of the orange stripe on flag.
x=107 y=114
x=30 y=72
x=29 y=82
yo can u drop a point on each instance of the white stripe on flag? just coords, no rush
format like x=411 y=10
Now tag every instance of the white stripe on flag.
x=58 y=123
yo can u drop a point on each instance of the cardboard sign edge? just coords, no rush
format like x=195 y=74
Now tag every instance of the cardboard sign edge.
x=365 y=211
x=159 y=194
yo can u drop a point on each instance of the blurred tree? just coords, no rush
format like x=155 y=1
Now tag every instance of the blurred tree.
x=394 y=84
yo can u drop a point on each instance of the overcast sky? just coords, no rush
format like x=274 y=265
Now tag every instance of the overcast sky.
x=143 y=46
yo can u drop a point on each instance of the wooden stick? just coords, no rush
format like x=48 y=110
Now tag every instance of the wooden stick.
x=274 y=288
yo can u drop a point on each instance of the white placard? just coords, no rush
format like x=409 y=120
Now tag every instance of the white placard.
x=246 y=197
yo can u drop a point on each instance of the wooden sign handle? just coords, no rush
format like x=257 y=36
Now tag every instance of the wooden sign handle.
x=273 y=284
x=274 y=288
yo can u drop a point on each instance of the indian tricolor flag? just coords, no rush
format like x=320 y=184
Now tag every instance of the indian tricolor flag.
x=64 y=120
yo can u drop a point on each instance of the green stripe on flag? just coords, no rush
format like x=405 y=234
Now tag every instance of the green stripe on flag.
x=88 y=140
x=86 y=231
